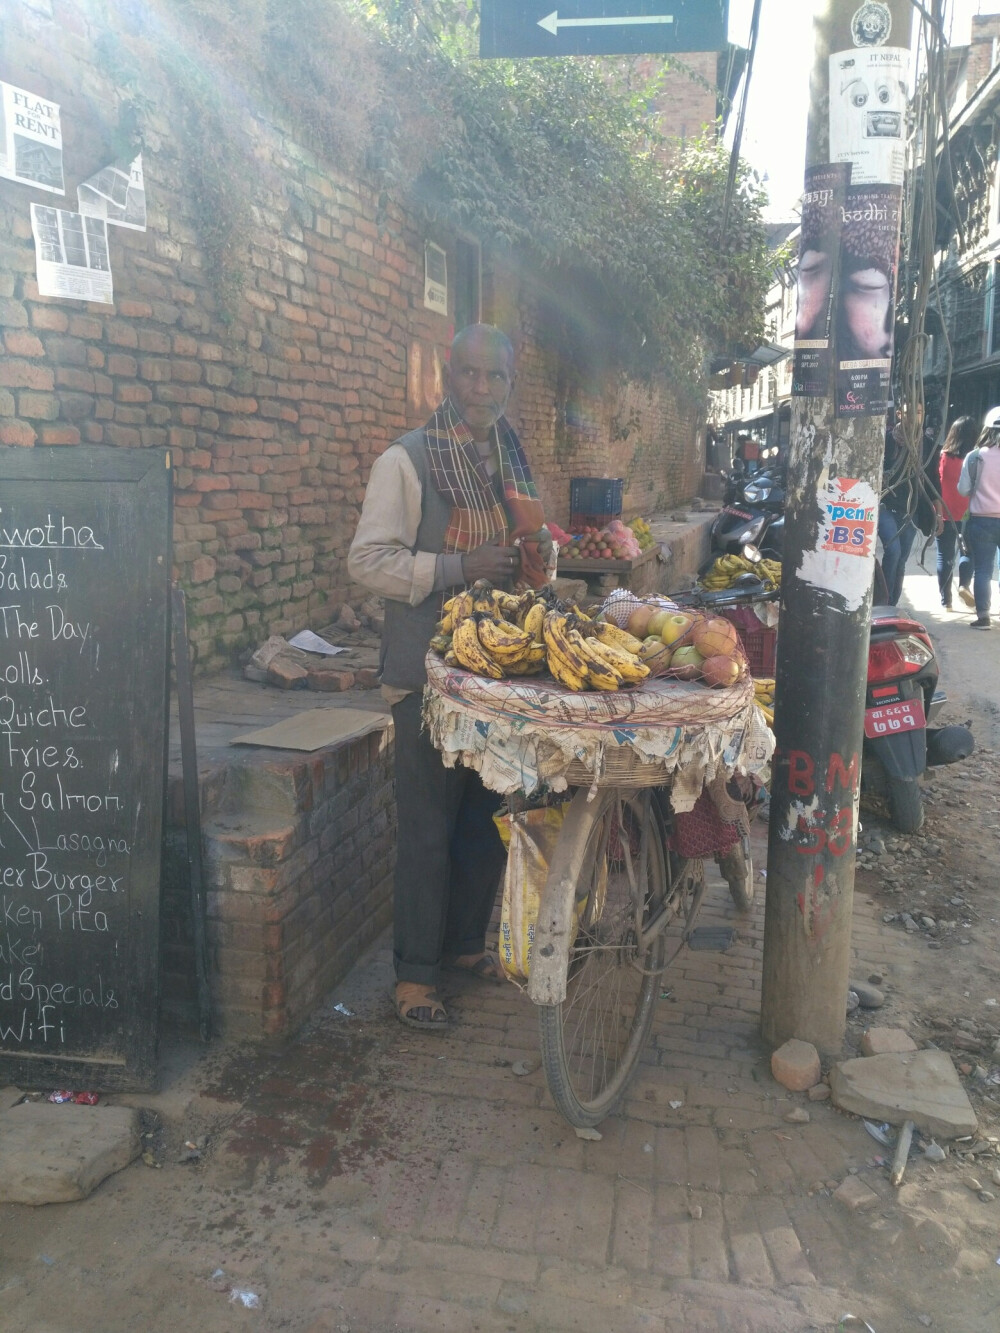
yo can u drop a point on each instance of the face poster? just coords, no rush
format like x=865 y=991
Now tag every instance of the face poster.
x=819 y=255
x=30 y=139
x=868 y=93
x=866 y=303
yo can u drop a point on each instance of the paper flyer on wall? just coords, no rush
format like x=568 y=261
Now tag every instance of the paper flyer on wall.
x=71 y=255
x=117 y=193
x=819 y=255
x=30 y=139
x=866 y=304
x=868 y=95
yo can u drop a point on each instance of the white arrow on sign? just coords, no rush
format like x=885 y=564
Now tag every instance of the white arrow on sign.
x=552 y=22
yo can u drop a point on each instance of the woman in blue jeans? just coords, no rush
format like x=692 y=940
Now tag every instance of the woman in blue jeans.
x=961 y=438
x=980 y=481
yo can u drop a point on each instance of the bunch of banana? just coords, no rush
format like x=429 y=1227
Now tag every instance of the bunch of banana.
x=763 y=693
x=579 y=661
x=728 y=568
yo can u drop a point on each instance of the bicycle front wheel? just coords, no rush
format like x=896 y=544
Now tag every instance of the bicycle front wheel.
x=592 y=1042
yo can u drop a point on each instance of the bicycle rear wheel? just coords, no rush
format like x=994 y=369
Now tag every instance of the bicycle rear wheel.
x=592 y=1042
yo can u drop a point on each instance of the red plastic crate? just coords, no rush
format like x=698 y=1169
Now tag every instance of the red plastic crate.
x=760 y=642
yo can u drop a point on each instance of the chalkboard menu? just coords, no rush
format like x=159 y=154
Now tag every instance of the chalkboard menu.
x=84 y=620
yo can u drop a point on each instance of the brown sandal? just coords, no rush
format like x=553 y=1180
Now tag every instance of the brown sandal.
x=420 y=1007
x=485 y=966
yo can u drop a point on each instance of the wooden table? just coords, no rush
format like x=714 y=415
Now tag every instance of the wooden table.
x=626 y=573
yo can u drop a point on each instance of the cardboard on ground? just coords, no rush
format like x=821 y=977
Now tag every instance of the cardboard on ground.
x=315 y=728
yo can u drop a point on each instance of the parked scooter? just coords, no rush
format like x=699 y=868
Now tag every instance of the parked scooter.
x=753 y=515
x=901 y=698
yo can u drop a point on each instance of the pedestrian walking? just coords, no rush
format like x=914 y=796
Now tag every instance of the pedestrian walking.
x=909 y=504
x=980 y=481
x=950 y=541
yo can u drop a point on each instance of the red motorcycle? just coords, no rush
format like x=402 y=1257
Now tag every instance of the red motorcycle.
x=901 y=698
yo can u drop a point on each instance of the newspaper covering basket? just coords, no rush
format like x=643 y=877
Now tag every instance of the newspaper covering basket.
x=525 y=733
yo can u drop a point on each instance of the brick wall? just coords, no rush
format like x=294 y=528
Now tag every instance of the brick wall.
x=298 y=865
x=982 y=49
x=274 y=415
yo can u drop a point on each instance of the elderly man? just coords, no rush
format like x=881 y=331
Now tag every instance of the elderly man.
x=443 y=508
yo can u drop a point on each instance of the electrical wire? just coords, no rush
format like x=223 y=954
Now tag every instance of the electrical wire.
x=734 y=157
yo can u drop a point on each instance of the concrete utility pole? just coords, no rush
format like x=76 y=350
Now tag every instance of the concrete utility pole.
x=846 y=279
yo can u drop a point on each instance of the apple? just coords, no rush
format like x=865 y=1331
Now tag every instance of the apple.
x=675 y=627
x=720 y=670
x=716 y=637
x=638 y=621
x=686 y=662
x=655 y=653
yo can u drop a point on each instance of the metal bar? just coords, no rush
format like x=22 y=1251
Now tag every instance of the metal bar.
x=192 y=807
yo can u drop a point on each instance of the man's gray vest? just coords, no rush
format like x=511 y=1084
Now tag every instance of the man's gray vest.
x=409 y=629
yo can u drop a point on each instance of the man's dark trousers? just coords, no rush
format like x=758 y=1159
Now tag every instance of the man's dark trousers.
x=449 y=857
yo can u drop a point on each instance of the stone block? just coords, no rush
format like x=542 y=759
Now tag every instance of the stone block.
x=287 y=675
x=921 y=1086
x=855 y=1195
x=56 y=1154
x=885 y=1041
x=795 y=1065
x=329 y=680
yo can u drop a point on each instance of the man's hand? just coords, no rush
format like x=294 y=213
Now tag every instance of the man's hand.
x=545 y=543
x=494 y=563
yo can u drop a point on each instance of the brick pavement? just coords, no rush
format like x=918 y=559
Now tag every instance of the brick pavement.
x=477 y=1207
x=372 y=1179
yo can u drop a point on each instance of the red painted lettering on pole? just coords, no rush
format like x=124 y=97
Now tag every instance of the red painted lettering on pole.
x=845 y=775
x=801 y=773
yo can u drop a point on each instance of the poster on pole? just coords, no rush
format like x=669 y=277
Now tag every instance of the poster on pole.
x=71 y=255
x=819 y=254
x=868 y=95
x=117 y=193
x=866 y=299
x=30 y=139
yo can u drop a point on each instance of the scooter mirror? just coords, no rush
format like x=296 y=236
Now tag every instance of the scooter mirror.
x=751 y=553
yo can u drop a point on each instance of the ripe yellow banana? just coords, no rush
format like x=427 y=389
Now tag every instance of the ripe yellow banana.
x=460 y=608
x=600 y=673
x=615 y=637
x=555 y=631
x=507 y=605
x=533 y=661
x=503 y=641
x=469 y=651
x=627 y=665
x=571 y=679
x=533 y=621
x=483 y=597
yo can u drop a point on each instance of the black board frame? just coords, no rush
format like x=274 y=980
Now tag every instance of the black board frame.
x=143 y=479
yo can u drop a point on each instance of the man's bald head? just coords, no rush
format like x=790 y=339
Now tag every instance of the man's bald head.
x=484 y=334
x=479 y=377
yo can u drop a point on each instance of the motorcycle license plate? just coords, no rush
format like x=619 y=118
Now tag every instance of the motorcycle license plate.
x=737 y=513
x=907 y=715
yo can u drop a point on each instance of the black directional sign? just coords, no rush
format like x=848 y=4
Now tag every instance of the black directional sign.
x=600 y=27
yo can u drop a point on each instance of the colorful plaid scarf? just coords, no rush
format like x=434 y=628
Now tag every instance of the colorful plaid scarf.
x=459 y=475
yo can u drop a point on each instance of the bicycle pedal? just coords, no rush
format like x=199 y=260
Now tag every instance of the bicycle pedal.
x=712 y=939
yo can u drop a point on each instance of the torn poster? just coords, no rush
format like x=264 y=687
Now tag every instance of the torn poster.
x=868 y=96
x=118 y=194
x=843 y=561
x=71 y=255
x=30 y=139
x=869 y=245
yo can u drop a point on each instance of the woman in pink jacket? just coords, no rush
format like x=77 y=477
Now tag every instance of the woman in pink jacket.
x=980 y=481
x=961 y=438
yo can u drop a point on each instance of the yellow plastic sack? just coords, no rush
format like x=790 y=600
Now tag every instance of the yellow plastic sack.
x=530 y=838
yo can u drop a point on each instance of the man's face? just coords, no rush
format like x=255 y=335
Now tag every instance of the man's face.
x=479 y=379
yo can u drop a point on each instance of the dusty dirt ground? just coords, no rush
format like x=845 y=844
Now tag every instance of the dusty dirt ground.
x=367 y=1179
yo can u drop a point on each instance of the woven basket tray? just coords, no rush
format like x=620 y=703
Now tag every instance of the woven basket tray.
x=622 y=768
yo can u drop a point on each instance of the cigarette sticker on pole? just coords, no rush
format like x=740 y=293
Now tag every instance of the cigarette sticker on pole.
x=842 y=561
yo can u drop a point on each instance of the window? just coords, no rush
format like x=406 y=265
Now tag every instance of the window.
x=468 y=286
